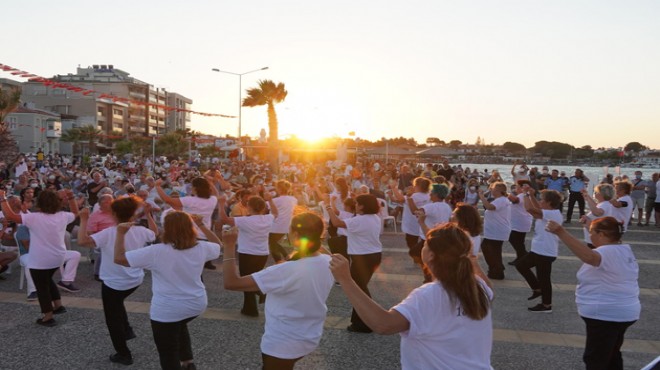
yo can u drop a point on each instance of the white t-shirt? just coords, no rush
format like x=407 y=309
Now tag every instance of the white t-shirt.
x=608 y=210
x=200 y=206
x=253 y=234
x=544 y=242
x=476 y=244
x=295 y=308
x=177 y=288
x=343 y=215
x=609 y=292
x=285 y=206
x=409 y=223
x=47 y=232
x=440 y=335
x=436 y=213
x=497 y=223
x=114 y=275
x=364 y=234
x=623 y=213
x=521 y=220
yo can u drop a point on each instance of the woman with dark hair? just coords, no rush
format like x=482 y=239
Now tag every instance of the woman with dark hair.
x=285 y=204
x=179 y=294
x=468 y=219
x=497 y=227
x=418 y=194
x=607 y=294
x=252 y=241
x=47 y=247
x=544 y=248
x=297 y=290
x=200 y=203
x=338 y=196
x=118 y=281
x=445 y=324
x=521 y=220
x=429 y=216
x=364 y=247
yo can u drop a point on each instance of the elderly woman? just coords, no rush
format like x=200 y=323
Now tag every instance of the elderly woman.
x=47 y=248
x=497 y=228
x=607 y=294
x=599 y=205
x=285 y=204
x=443 y=324
x=178 y=293
x=419 y=195
x=297 y=291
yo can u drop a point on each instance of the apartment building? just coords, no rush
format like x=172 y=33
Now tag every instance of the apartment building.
x=178 y=120
x=35 y=129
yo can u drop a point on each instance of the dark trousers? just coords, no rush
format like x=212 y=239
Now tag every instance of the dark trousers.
x=116 y=318
x=517 y=240
x=604 y=340
x=275 y=363
x=276 y=250
x=492 y=251
x=249 y=264
x=574 y=196
x=363 y=267
x=339 y=244
x=173 y=343
x=47 y=291
x=540 y=281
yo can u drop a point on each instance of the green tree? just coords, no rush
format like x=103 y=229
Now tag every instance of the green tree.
x=9 y=100
x=72 y=136
x=454 y=144
x=513 y=147
x=268 y=93
x=634 y=147
x=171 y=145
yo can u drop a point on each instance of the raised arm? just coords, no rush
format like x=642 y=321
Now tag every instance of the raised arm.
x=174 y=202
x=147 y=209
x=485 y=201
x=273 y=208
x=210 y=235
x=7 y=211
x=531 y=204
x=120 y=247
x=376 y=317
x=581 y=250
x=222 y=213
x=231 y=279
x=84 y=240
x=334 y=219
x=593 y=206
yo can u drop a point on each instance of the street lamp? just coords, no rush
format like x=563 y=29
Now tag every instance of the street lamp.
x=240 y=93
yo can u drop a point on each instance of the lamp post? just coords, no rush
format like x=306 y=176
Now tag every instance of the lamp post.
x=240 y=95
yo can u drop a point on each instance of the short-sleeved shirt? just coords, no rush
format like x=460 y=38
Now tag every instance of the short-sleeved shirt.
x=409 y=224
x=497 y=222
x=177 y=287
x=295 y=308
x=521 y=220
x=200 y=206
x=364 y=234
x=253 y=234
x=544 y=242
x=47 y=248
x=436 y=213
x=285 y=206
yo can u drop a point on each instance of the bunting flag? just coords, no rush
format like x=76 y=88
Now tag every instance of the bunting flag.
x=86 y=92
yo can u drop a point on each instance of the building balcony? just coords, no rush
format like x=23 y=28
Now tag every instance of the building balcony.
x=117 y=117
x=136 y=128
x=137 y=94
x=53 y=134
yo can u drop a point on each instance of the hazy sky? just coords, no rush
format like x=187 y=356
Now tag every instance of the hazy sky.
x=581 y=72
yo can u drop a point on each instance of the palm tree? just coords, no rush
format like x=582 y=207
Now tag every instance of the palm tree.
x=72 y=136
x=9 y=100
x=268 y=93
x=91 y=135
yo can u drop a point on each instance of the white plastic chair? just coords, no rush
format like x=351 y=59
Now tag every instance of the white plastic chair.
x=385 y=215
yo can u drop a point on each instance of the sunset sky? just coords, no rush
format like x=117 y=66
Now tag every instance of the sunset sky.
x=581 y=72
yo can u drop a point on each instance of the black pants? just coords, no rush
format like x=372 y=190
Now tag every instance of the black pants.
x=173 y=343
x=517 y=240
x=339 y=244
x=492 y=251
x=540 y=281
x=574 y=196
x=276 y=250
x=47 y=291
x=604 y=340
x=116 y=318
x=363 y=267
x=249 y=264
x=276 y=363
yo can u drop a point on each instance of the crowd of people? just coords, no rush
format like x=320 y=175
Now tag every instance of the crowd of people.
x=172 y=217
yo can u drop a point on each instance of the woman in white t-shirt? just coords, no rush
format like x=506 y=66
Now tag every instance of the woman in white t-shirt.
x=497 y=227
x=364 y=247
x=339 y=243
x=285 y=203
x=253 y=231
x=623 y=205
x=419 y=194
x=202 y=202
x=178 y=293
x=599 y=206
x=545 y=246
x=521 y=220
x=607 y=294
x=428 y=216
x=297 y=290
x=47 y=248
x=340 y=193
x=445 y=324
x=468 y=219
x=118 y=282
